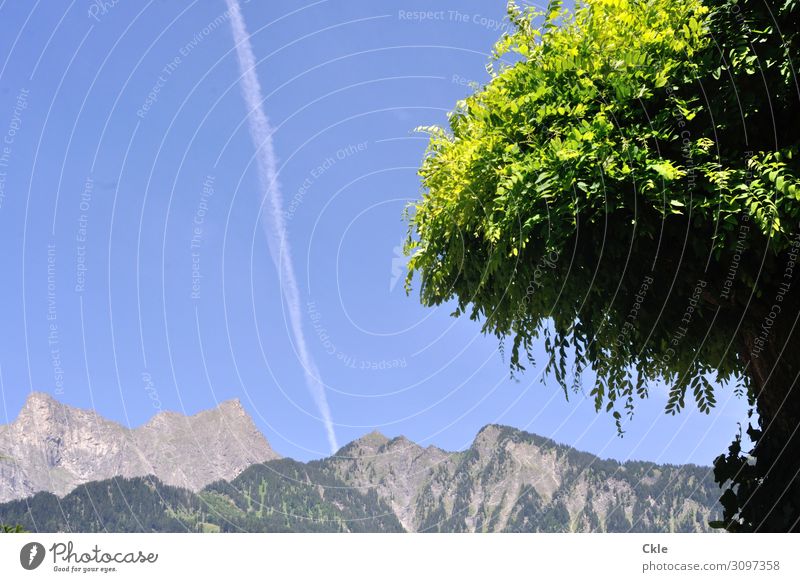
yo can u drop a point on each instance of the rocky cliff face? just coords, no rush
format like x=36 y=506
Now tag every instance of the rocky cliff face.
x=54 y=447
x=397 y=469
x=508 y=480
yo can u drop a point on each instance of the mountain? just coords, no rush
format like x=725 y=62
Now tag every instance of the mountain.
x=54 y=447
x=507 y=480
x=281 y=496
x=514 y=481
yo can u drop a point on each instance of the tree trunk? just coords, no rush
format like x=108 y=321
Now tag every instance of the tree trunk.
x=764 y=486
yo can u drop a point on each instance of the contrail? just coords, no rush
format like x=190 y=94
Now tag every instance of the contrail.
x=273 y=217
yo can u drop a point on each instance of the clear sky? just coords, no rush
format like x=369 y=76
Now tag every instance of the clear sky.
x=136 y=274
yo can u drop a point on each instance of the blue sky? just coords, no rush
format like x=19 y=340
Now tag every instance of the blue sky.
x=136 y=275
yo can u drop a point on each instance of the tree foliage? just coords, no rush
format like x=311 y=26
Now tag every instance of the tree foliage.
x=626 y=187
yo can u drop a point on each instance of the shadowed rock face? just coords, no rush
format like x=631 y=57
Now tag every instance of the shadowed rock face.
x=54 y=447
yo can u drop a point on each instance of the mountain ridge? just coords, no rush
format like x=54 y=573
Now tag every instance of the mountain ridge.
x=54 y=447
x=506 y=480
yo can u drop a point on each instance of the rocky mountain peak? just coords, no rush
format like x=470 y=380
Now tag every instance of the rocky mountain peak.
x=232 y=405
x=229 y=411
x=38 y=402
x=489 y=438
x=42 y=412
x=370 y=444
x=55 y=447
x=38 y=398
x=400 y=442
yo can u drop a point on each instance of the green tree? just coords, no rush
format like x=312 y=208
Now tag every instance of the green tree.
x=4 y=528
x=626 y=188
